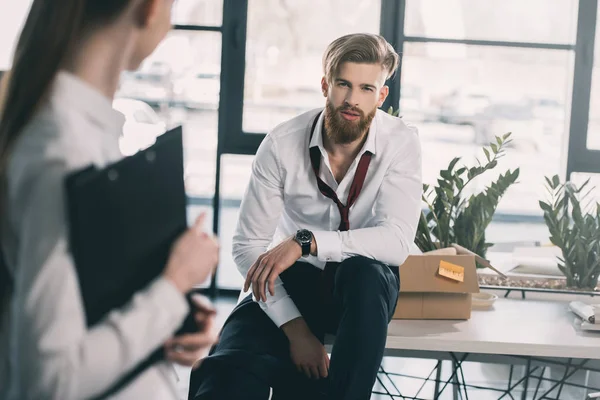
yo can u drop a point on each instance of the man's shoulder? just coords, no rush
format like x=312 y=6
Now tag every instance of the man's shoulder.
x=395 y=133
x=296 y=129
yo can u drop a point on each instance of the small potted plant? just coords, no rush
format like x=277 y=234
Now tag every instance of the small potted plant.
x=453 y=218
x=574 y=224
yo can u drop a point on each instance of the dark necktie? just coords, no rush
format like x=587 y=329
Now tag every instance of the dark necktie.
x=355 y=188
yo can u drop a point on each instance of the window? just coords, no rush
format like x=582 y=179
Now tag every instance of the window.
x=284 y=49
x=578 y=178
x=593 y=136
x=461 y=97
x=472 y=71
x=236 y=170
x=537 y=21
x=181 y=82
x=12 y=19
x=198 y=12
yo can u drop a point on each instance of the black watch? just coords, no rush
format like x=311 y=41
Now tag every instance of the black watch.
x=304 y=238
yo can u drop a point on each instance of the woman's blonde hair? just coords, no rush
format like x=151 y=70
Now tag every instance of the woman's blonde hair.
x=363 y=48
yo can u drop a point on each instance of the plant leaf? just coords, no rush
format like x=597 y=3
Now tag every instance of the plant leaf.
x=487 y=153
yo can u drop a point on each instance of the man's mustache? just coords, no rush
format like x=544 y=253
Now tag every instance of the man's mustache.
x=350 y=109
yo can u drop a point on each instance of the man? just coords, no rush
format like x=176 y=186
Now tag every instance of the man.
x=335 y=197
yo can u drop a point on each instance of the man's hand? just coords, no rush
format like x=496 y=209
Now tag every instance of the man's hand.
x=307 y=353
x=189 y=349
x=268 y=267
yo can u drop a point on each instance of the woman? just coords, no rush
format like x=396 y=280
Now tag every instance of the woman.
x=57 y=118
x=3 y=84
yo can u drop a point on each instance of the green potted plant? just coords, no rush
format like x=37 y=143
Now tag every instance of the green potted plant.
x=452 y=217
x=574 y=225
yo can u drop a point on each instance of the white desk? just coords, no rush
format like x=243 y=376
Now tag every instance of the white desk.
x=511 y=327
x=535 y=333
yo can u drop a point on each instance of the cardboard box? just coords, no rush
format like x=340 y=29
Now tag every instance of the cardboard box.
x=425 y=294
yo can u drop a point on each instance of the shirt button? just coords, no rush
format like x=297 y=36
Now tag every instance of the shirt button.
x=328 y=259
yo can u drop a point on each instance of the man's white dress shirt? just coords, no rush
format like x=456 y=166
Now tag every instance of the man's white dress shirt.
x=283 y=196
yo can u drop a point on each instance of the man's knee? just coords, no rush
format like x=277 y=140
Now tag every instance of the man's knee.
x=215 y=381
x=364 y=285
x=362 y=273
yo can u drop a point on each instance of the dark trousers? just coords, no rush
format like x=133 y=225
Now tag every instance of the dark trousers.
x=354 y=300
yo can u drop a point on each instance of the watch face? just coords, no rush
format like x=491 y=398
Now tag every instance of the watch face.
x=304 y=236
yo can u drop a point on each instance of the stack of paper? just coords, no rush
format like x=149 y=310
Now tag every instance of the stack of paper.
x=537 y=260
x=589 y=314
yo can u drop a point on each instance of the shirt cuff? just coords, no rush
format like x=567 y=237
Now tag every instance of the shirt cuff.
x=329 y=246
x=282 y=311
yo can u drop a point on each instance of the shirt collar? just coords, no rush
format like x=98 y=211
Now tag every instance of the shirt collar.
x=370 y=144
x=70 y=90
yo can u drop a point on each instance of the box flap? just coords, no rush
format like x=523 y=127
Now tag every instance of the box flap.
x=483 y=262
x=419 y=273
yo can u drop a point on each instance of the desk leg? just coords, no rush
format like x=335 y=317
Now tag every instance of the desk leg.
x=526 y=381
x=387 y=375
x=438 y=378
x=510 y=375
x=537 y=388
x=464 y=382
x=456 y=364
x=455 y=382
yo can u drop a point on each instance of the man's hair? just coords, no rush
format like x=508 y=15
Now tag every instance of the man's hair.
x=363 y=48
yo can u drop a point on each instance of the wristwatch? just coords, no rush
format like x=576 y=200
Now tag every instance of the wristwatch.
x=304 y=238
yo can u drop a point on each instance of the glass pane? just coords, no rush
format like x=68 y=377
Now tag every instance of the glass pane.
x=236 y=170
x=200 y=152
x=178 y=84
x=488 y=91
x=593 y=133
x=578 y=178
x=506 y=236
x=12 y=19
x=539 y=21
x=198 y=12
x=285 y=45
x=184 y=71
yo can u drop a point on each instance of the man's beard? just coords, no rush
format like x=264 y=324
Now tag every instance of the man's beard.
x=342 y=131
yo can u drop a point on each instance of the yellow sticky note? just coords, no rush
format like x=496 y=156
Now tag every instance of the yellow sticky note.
x=452 y=271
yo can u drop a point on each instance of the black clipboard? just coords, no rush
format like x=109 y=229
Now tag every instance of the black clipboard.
x=123 y=221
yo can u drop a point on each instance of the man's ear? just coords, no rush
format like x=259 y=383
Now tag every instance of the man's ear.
x=146 y=13
x=383 y=94
x=324 y=86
